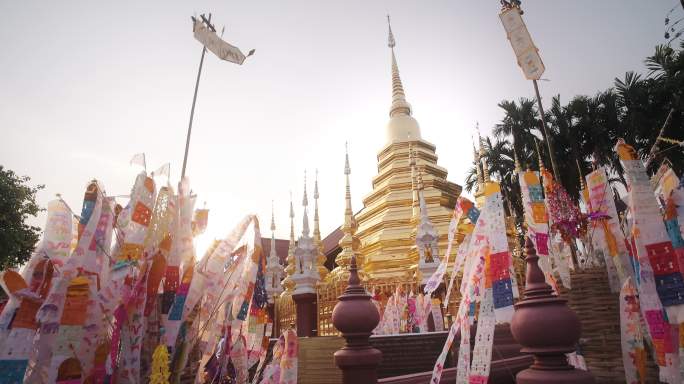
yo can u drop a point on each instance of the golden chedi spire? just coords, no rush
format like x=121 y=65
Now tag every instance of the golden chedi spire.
x=401 y=125
x=386 y=222
x=320 y=259
x=288 y=284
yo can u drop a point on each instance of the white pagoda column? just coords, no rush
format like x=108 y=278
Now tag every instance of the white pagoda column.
x=274 y=270
x=305 y=277
x=426 y=238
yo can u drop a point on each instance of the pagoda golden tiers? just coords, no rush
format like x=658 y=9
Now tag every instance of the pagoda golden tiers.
x=387 y=223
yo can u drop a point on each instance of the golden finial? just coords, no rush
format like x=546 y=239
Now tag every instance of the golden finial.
x=390 y=38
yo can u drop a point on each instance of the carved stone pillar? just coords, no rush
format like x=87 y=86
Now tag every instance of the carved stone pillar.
x=355 y=316
x=546 y=328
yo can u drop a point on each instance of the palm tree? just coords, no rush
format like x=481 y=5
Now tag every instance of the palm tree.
x=666 y=72
x=520 y=121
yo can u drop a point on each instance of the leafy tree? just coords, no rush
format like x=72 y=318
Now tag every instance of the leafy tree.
x=17 y=203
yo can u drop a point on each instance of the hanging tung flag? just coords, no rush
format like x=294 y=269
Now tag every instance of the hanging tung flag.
x=215 y=44
x=164 y=170
x=139 y=159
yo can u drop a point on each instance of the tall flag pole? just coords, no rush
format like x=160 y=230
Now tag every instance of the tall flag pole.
x=205 y=33
x=194 y=97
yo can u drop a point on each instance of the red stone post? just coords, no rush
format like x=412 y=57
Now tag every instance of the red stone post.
x=547 y=328
x=270 y=309
x=306 y=314
x=355 y=316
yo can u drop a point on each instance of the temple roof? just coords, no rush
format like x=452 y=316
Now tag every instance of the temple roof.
x=331 y=242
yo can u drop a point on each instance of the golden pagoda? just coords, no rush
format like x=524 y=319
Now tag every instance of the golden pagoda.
x=386 y=223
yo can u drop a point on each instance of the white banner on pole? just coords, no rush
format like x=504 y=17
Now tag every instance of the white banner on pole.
x=216 y=45
x=523 y=46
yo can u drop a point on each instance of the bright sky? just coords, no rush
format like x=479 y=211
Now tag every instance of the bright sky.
x=85 y=85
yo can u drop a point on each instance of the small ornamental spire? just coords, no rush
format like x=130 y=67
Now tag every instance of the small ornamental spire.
x=273 y=256
x=485 y=168
x=292 y=215
x=347 y=195
x=479 y=139
x=348 y=242
x=305 y=204
x=399 y=104
x=426 y=236
x=288 y=283
x=478 y=169
x=274 y=271
x=421 y=198
x=316 y=231
x=305 y=198
x=320 y=258
x=316 y=186
x=273 y=227
x=414 y=191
